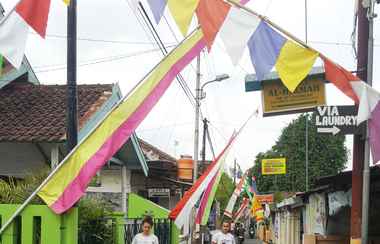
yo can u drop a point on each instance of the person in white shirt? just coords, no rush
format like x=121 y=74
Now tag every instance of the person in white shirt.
x=224 y=236
x=146 y=237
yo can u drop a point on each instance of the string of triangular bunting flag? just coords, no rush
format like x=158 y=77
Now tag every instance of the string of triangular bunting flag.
x=267 y=47
x=181 y=11
x=272 y=47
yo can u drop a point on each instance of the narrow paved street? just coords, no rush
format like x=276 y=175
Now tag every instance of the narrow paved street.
x=252 y=241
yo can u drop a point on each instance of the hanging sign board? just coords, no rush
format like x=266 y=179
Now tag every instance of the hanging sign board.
x=273 y=166
x=277 y=99
x=265 y=199
x=159 y=192
x=337 y=120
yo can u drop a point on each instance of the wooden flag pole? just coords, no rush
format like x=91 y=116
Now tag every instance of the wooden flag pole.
x=72 y=94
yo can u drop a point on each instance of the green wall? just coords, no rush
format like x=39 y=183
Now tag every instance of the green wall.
x=139 y=207
x=58 y=229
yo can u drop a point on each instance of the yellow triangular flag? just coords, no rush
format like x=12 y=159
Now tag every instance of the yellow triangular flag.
x=294 y=64
x=182 y=12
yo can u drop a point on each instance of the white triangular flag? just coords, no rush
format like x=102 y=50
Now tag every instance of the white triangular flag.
x=236 y=30
x=368 y=97
x=13 y=36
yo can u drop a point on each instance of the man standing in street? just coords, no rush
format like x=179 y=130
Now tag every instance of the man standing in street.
x=224 y=236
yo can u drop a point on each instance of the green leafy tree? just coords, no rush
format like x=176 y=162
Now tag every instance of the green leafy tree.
x=224 y=191
x=327 y=156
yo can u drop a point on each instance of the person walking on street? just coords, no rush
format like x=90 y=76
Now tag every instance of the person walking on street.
x=146 y=237
x=224 y=236
x=240 y=232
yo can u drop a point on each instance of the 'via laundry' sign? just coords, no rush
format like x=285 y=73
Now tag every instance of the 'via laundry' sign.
x=337 y=120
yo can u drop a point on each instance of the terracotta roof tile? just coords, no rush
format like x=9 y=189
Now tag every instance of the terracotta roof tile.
x=161 y=155
x=37 y=113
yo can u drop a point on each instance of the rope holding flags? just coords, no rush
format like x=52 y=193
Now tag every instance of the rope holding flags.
x=270 y=47
x=183 y=11
x=266 y=46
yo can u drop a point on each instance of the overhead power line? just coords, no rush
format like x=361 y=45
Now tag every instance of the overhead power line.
x=157 y=38
x=50 y=68
x=101 y=40
x=336 y=43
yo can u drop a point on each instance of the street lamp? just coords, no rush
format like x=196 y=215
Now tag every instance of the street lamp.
x=198 y=97
x=218 y=78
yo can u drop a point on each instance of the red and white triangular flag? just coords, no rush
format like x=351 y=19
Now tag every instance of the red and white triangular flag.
x=14 y=28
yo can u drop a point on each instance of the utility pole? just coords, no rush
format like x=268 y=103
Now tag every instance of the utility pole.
x=359 y=225
x=307 y=151
x=210 y=143
x=366 y=169
x=197 y=109
x=204 y=140
x=72 y=95
x=199 y=95
x=306 y=117
x=235 y=172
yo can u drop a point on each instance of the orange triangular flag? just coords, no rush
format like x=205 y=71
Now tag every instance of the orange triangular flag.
x=340 y=78
x=211 y=15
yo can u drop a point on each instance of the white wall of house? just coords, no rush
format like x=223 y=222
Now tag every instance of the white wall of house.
x=288 y=226
x=110 y=181
x=19 y=159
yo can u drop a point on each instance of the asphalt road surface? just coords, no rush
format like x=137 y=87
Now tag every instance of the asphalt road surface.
x=252 y=241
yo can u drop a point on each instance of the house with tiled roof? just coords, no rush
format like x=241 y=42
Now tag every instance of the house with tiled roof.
x=33 y=125
x=33 y=137
x=162 y=185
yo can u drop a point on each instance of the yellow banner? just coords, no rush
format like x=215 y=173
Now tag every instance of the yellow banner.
x=273 y=166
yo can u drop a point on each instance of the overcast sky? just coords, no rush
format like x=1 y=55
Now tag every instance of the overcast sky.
x=121 y=51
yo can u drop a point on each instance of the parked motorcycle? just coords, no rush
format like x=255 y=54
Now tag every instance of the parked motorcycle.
x=251 y=232
x=240 y=231
x=241 y=239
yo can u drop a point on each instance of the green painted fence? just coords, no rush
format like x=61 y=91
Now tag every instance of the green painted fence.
x=138 y=207
x=38 y=224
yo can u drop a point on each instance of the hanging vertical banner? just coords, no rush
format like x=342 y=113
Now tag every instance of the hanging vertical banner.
x=231 y=203
x=70 y=180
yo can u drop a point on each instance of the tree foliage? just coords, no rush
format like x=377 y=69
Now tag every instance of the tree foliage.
x=327 y=156
x=224 y=191
x=94 y=226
